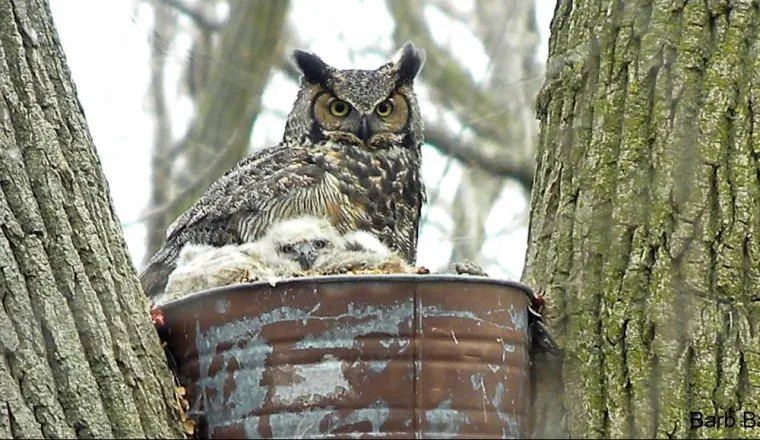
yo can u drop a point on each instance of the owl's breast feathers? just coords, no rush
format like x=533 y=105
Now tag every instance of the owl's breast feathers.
x=386 y=187
x=380 y=192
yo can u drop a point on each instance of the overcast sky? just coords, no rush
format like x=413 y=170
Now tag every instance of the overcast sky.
x=107 y=48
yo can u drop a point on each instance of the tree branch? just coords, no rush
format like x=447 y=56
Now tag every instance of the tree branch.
x=162 y=159
x=199 y=18
x=497 y=163
x=450 y=83
x=226 y=106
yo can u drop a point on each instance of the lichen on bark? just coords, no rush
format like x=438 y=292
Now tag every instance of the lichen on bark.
x=645 y=216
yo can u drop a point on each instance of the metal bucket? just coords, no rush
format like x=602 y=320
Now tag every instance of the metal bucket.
x=386 y=356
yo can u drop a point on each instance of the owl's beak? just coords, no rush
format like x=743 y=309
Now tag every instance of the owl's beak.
x=364 y=133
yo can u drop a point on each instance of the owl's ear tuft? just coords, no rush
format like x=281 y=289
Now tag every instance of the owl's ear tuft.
x=409 y=61
x=313 y=68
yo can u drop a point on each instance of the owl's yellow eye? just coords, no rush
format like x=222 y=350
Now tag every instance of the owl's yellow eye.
x=384 y=109
x=339 y=108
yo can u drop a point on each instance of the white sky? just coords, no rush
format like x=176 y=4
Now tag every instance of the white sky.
x=107 y=48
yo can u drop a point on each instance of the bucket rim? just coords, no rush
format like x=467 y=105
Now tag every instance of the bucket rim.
x=362 y=278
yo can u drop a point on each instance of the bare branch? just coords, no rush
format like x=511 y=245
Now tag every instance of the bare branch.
x=197 y=16
x=507 y=32
x=226 y=105
x=495 y=162
x=161 y=161
x=169 y=207
x=451 y=85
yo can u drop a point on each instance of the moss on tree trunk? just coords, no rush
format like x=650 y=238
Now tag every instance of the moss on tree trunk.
x=79 y=355
x=645 y=216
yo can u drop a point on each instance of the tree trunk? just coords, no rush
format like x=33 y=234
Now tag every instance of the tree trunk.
x=645 y=216
x=80 y=356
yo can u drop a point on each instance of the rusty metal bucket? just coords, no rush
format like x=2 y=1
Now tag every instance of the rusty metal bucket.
x=386 y=356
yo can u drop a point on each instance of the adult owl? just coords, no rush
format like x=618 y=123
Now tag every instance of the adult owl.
x=350 y=152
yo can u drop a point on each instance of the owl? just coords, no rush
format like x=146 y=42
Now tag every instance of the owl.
x=300 y=246
x=350 y=153
x=300 y=240
x=365 y=241
x=319 y=249
x=289 y=248
x=361 y=252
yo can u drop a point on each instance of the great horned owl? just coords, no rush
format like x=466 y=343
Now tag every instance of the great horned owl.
x=304 y=245
x=365 y=241
x=318 y=248
x=289 y=248
x=350 y=152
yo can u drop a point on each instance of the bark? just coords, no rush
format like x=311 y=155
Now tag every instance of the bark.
x=226 y=106
x=645 y=216
x=80 y=356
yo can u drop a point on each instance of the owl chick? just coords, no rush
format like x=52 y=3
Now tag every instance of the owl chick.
x=362 y=252
x=350 y=152
x=294 y=247
x=366 y=242
x=201 y=267
x=301 y=240
x=319 y=249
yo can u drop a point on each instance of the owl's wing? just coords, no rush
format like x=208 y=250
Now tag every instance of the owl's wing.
x=266 y=175
x=255 y=184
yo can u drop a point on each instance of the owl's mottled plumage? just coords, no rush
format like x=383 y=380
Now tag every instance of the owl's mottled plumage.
x=360 y=169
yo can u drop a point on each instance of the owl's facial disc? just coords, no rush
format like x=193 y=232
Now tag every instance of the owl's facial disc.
x=368 y=94
x=339 y=120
